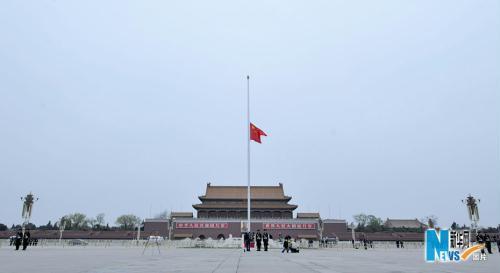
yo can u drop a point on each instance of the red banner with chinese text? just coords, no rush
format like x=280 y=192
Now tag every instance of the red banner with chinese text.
x=202 y=225
x=288 y=226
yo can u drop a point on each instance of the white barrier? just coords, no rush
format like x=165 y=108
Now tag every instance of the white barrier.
x=210 y=243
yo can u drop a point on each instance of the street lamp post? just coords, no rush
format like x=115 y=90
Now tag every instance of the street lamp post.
x=28 y=202
x=473 y=211
x=353 y=234
x=61 y=224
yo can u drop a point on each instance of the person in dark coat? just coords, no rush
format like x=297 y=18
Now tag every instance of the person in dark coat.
x=487 y=240
x=480 y=240
x=397 y=243
x=26 y=239
x=286 y=244
x=246 y=238
x=265 y=238
x=258 y=239
x=18 y=239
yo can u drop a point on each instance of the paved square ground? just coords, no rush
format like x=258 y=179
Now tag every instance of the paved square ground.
x=130 y=260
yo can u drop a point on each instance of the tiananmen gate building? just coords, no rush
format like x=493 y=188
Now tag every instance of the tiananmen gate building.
x=222 y=212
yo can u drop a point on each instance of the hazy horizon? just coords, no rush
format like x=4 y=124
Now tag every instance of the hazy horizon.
x=388 y=108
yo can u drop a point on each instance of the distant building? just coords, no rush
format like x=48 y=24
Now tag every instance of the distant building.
x=404 y=223
x=334 y=228
x=159 y=227
x=179 y=215
x=308 y=215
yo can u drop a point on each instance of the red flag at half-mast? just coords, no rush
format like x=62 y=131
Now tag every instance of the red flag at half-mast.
x=255 y=133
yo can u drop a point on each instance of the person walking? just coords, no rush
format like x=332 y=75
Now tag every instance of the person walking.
x=265 y=238
x=246 y=239
x=26 y=239
x=285 y=244
x=258 y=239
x=480 y=240
x=487 y=240
x=18 y=239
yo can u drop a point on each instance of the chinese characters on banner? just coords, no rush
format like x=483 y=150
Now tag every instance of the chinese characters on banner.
x=202 y=225
x=264 y=225
x=288 y=226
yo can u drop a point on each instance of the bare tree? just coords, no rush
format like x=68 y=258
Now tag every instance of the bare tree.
x=361 y=219
x=163 y=215
x=430 y=221
x=64 y=222
x=368 y=222
x=100 y=219
x=128 y=221
x=75 y=221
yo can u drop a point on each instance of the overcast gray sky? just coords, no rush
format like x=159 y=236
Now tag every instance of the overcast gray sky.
x=383 y=107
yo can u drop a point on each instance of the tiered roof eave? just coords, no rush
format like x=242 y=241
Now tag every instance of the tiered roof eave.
x=244 y=206
x=206 y=198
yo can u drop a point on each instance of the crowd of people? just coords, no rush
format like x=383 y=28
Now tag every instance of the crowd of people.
x=486 y=239
x=400 y=244
x=259 y=237
x=365 y=242
x=262 y=238
x=21 y=239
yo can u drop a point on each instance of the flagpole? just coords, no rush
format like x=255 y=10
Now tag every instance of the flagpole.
x=248 y=153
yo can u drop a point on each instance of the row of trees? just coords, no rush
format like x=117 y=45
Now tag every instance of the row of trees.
x=371 y=223
x=80 y=221
x=368 y=223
